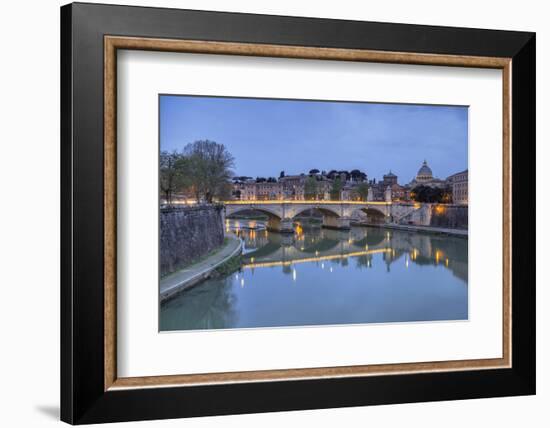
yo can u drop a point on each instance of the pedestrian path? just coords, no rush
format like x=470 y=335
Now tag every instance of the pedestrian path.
x=413 y=228
x=189 y=276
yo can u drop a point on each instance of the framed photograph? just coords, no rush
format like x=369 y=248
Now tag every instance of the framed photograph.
x=266 y=213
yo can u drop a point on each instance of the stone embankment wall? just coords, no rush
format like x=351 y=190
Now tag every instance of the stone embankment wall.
x=449 y=216
x=436 y=215
x=407 y=214
x=187 y=234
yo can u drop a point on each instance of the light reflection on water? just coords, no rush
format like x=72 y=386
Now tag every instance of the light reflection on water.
x=321 y=277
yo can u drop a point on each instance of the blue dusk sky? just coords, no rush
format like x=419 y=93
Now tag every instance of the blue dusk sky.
x=267 y=136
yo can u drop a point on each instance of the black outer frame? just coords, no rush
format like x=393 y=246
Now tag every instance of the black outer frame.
x=83 y=399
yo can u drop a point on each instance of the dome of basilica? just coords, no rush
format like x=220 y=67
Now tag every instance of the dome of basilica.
x=424 y=173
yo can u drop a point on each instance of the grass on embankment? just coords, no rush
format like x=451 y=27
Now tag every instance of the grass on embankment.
x=230 y=266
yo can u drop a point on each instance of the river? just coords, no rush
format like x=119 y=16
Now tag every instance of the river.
x=327 y=277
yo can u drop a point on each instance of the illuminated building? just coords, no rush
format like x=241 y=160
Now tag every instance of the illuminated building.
x=424 y=177
x=459 y=183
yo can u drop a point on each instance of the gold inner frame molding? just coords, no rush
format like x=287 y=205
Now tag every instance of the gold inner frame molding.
x=113 y=43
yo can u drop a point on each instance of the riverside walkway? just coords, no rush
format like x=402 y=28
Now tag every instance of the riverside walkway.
x=430 y=229
x=190 y=276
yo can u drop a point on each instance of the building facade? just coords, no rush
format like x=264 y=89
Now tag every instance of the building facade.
x=247 y=191
x=293 y=186
x=459 y=183
x=389 y=179
x=269 y=191
x=378 y=191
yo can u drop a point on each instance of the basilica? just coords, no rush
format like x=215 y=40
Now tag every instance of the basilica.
x=425 y=177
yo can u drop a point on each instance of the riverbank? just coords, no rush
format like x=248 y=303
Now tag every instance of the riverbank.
x=427 y=229
x=192 y=275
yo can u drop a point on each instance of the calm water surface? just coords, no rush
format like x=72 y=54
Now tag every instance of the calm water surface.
x=320 y=276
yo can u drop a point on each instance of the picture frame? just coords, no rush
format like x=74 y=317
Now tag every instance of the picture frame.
x=91 y=391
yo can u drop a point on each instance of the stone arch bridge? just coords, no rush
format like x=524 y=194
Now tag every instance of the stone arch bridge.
x=336 y=214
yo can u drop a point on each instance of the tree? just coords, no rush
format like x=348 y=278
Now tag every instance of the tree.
x=332 y=174
x=172 y=174
x=447 y=196
x=208 y=169
x=313 y=171
x=224 y=192
x=282 y=174
x=336 y=189
x=363 y=191
x=310 y=188
x=428 y=194
x=357 y=175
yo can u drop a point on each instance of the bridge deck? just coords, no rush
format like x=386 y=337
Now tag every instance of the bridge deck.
x=281 y=202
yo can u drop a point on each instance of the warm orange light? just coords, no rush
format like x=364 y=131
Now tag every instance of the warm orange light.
x=287 y=201
x=315 y=259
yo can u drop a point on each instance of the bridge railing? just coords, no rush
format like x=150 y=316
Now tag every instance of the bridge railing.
x=304 y=202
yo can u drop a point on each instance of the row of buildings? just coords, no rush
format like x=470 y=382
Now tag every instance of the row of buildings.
x=295 y=187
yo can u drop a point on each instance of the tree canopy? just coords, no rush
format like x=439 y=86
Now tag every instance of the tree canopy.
x=310 y=188
x=209 y=165
x=362 y=191
x=431 y=194
x=203 y=169
x=336 y=189
x=358 y=175
x=172 y=172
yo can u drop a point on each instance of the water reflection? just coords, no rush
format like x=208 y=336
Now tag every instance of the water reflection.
x=322 y=276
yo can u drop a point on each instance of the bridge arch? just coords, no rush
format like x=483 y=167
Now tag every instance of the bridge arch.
x=326 y=211
x=275 y=219
x=375 y=213
x=229 y=212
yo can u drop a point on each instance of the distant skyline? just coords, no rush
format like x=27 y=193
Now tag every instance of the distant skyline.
x=267 y=136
